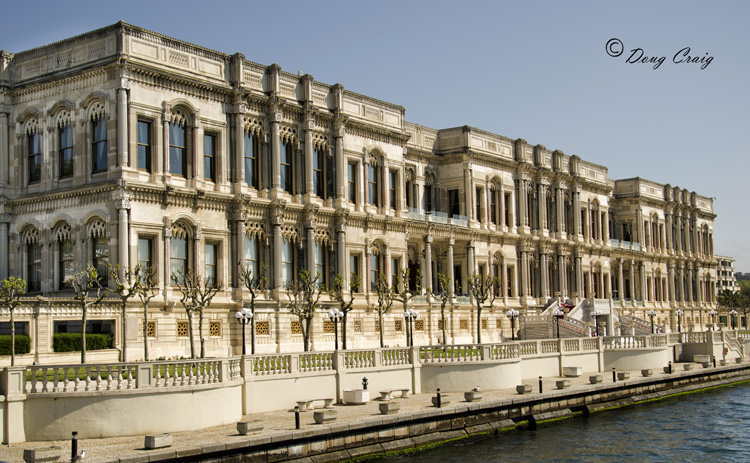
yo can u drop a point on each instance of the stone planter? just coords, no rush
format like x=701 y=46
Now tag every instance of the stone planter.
x=572 y=372
x=739 y=359
x=648 y=372
x=722 y=362
x=623 y=375
x=523 y=388
x=700 y=358
x=158 y=441
x=595 y=379
x=688 y=366
x=668 y=370
x=389 y=408
x=444 y=400
x=43 y=454
x=562 y=384
x=324 y=416
x=249 y=427
x=356 y=396
x=472 y=396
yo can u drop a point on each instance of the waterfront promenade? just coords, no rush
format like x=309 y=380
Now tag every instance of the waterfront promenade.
x=279 y=425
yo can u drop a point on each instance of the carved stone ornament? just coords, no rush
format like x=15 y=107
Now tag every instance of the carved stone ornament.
x=168 y=233
x=5 y=218
x=124 y=84
x=340 y=132
x=198 y=235
x=124 y=204
x=309 y=124
x=276 y=117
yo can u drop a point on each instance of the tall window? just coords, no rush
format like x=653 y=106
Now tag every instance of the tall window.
x=321 y=264
x=177 y=150
x=352 y=181
x=373 y=185
x=375 y=271
x=209 y=157
x=395 y=272
x=493 y=206
x=428 y=199
x=65 y=264
x=66 y=151
x=178 y=256
x=287 y=262
x=145 y=252
x=392 y=189
x=479 y=205
x=34 y=267
x=252 y=160
x=286 y=160
x=252 y=255
x=319 y=171
x=35 y=157
x=507 y=209
x=101 y=259
x=211 y=261
x=453 y=203
x=100 y=145
x=354 y=268
x=144 y=145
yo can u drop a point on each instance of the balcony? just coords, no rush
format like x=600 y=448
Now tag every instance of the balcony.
x=438 y=217
x=617 y=244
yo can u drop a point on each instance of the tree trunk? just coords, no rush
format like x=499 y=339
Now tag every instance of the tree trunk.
x=305 y=345
x=380 y=319
x=479 y=323
x=252 y=332
x=442 y=316
x=145 y=332
x=12 y=340
x=308 y=323
x=343 y=330
x=190 y=334
x=83 y=334
x=123 y=354
x=200 y=333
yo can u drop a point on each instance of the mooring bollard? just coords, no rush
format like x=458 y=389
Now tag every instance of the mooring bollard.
x=614 y=376
x=364 y=383
x=74 y=446
x=670 y=367
x=540 y=385
x=296 y=416
x=439 y=402
x=714 y=362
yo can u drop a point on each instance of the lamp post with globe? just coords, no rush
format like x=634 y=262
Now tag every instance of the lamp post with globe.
x=244 y=317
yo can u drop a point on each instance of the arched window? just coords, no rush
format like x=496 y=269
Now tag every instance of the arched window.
x=376 y=266
x=65 y=144
x=100 y=249
x=66 y=263
x=252 y=160
x=179 y=251
x=177 y=148
x=33 y=259
x=99 y=137
x=34 y=151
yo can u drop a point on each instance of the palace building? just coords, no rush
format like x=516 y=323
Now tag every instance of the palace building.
x=124 y=146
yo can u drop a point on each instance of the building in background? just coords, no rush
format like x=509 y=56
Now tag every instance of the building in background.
x=725 y=277
x=124 y=146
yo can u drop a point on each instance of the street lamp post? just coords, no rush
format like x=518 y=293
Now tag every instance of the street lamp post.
x=335 y=315
x=595 y=315
x=652 y=313
x=243 y=317
x=733 y=317
x=410 y=315
x=557 y=313
x=713 y=313
x=679 y=313
x=512 y=315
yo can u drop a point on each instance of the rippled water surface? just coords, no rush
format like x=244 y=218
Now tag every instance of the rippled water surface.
x=711 y=426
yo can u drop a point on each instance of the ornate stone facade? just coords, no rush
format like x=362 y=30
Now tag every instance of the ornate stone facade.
x=122 y=145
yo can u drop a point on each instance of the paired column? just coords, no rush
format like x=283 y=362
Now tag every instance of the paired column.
x=576 y=213
x=428 y=261
x=4 y=146
x=122 y=122
x=451 y=274
x=621 y=280
x=275 y=152
x=122 y=238
x=5 y=220
x=338 y=134
x=670 y=282
x=562 y=271
x=544 y=273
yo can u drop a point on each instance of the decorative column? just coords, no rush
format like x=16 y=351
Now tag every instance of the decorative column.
x=338 y=134
x=341 y=216
x=469 y=205
x=198 y=252
x=632 y=280
x=505 y=284
x=5 y=220
x=166 y=119
x=670 y=281
x=689 y=278
x=620 y=280
x=541 y=202
x=4 y=147
x=642 y=275
x=167 y=270
x=239 y=147
x=562 y=271
x=470 y=259
x=560 y=209
x=276 y=220
x=544 y=274
x=579 y=273
x=451 y=275
x=576 y=212
x=122 y=122
x=122 y=236
x=428 y=261
x=525 y=272
x=241 y=237
x=275 y=150
x=308 y=133
x=605 y=226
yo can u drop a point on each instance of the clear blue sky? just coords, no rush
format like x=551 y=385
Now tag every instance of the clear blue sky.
x=536 y=70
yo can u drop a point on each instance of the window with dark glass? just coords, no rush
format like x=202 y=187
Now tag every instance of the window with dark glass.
x=211 y=261
x=319 y=164
x=320 y=264
x=507 y=209
x=372 y=185
x=177 y=150
x=392 y=189
x=34 y=267
x=66 y=151
x=493 y=206
x=395 y=272
x=354 y=268
x=287 y=261
x=374 y=272
x=428 y=199
x=66 y=263
x=352 y=181
x=286 y=159
x=101 y=259
x=479 y=205
x=100 y=145
x=209 y=157
x=145 y=252
x=453 y=203
x=252 y=160
x=178 y=257
x=35 y=157
x=252 y=255
x=144 y=145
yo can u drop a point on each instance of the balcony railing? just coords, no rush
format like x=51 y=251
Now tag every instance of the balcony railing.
x=438 y=217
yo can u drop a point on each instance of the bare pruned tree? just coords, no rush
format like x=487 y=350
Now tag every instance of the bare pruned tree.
x=197 y=294
x=443 y=296
x=89 y=292
x=304 y=294
x=11 y=290
x=402 y=294
x=254 y=284
x=385 y=301
x=137 y=281
x=337 y=293
x=482 y=289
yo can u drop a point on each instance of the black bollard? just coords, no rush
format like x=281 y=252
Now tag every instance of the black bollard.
x=439 y=402
x=714 y=362
x=296 y=416
x=74 y=446
x=670 y=367
x=540 y=385
x=614 y=376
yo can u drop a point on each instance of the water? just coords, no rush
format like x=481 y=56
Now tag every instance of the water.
x=705 y=427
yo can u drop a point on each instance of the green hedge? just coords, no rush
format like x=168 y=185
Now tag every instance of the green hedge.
x=23 y=344
x=71 y=342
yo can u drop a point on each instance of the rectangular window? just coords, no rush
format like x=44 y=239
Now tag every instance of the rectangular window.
x=66 y=264
x=507 y=209
x=493 y=206
x=319 y=181
x=35 y=267
x=35 y=157
x=354 y=267
x=211 y=260
x=100 y=145
x=395 y=272
x=252 y=255
x=209 y=157
x=252 y=160
x=428 y=199
x=320 y=264
x=145 y=253
x=374 y=272
x=177 y=150
x=286 y=156
x=392 y=189
x=287 y=262
x=101 y=259
x=457 y=279
x=352 y=181
x=178 y=257
x=478 y=217
x=144 y=145
x=66 y=151
x=372 y=185
x=453 y=203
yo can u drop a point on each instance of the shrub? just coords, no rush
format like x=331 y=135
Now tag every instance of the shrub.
x=23 y=344
x=71 y=342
